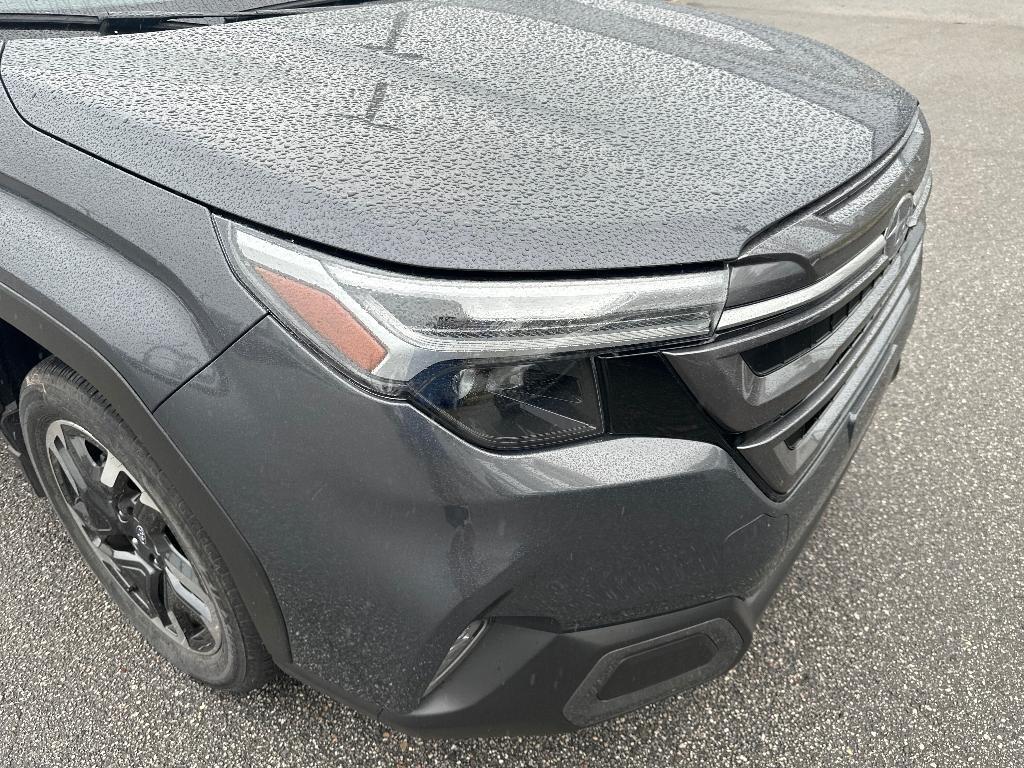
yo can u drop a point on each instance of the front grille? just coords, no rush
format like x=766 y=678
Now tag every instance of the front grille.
x=778 y=420
x=766 y=358
x=787 y=375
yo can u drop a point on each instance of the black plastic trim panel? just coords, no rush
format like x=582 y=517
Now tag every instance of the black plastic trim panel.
x=588 y=705
x=526 y=680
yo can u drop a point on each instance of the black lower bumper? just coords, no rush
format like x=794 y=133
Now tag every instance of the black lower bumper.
x=523 y=680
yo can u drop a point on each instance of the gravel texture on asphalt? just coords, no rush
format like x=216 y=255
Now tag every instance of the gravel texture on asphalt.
x=897 y=640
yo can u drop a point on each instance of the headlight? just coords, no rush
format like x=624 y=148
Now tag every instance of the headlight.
x=505 y=362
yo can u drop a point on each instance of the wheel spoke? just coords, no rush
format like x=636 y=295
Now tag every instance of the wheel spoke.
x=72 y=474
x=182 y=579
x=193 y=629
x=95 y=524
x=140 y=579
x=203 y=639
x=116 y=477
x=145 y=511
x=116 y=484
x=175 y=628
x=78 y=450
x=111 y=471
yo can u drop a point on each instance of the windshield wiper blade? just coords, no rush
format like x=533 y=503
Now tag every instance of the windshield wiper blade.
x=121 y=23
x=310 y=4
x=102 y=24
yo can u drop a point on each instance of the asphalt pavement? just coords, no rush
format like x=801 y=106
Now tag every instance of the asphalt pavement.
x=897 y=639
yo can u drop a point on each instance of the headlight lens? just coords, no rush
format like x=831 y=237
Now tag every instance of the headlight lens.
x=520 y=405
x=501 y=360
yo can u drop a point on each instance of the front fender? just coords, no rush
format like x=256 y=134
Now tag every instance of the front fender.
x=125 y=282
x=133 y=269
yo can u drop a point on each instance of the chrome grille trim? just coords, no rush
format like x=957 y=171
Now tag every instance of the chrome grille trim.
x=750 y=313
x=825 y=236
x=924 y=191
x=746 y=314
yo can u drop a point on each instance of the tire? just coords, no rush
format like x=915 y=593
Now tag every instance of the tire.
x=135 y=532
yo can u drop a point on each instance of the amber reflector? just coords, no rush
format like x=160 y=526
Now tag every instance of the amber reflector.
x=328 y=318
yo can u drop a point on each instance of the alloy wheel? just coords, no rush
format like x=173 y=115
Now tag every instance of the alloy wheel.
x=128 y=534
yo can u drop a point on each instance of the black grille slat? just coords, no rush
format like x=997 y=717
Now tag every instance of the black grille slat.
x=775 y=354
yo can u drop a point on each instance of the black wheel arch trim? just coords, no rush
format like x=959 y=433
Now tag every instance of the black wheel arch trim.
x=250 y=578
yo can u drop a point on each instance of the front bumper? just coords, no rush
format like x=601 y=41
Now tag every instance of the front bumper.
x=523 y=679
x=384 y=535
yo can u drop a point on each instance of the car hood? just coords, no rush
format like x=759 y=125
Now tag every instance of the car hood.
x=490 y=135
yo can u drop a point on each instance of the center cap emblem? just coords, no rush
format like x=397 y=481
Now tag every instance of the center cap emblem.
x=899 y=225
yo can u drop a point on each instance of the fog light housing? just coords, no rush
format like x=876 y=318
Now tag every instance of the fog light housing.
x=460 y=649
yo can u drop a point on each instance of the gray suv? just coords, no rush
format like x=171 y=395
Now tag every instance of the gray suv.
x=482 y=363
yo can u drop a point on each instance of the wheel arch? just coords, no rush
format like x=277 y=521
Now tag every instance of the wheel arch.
x=52 y=336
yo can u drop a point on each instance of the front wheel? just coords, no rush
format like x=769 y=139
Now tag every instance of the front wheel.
x=136 y=533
